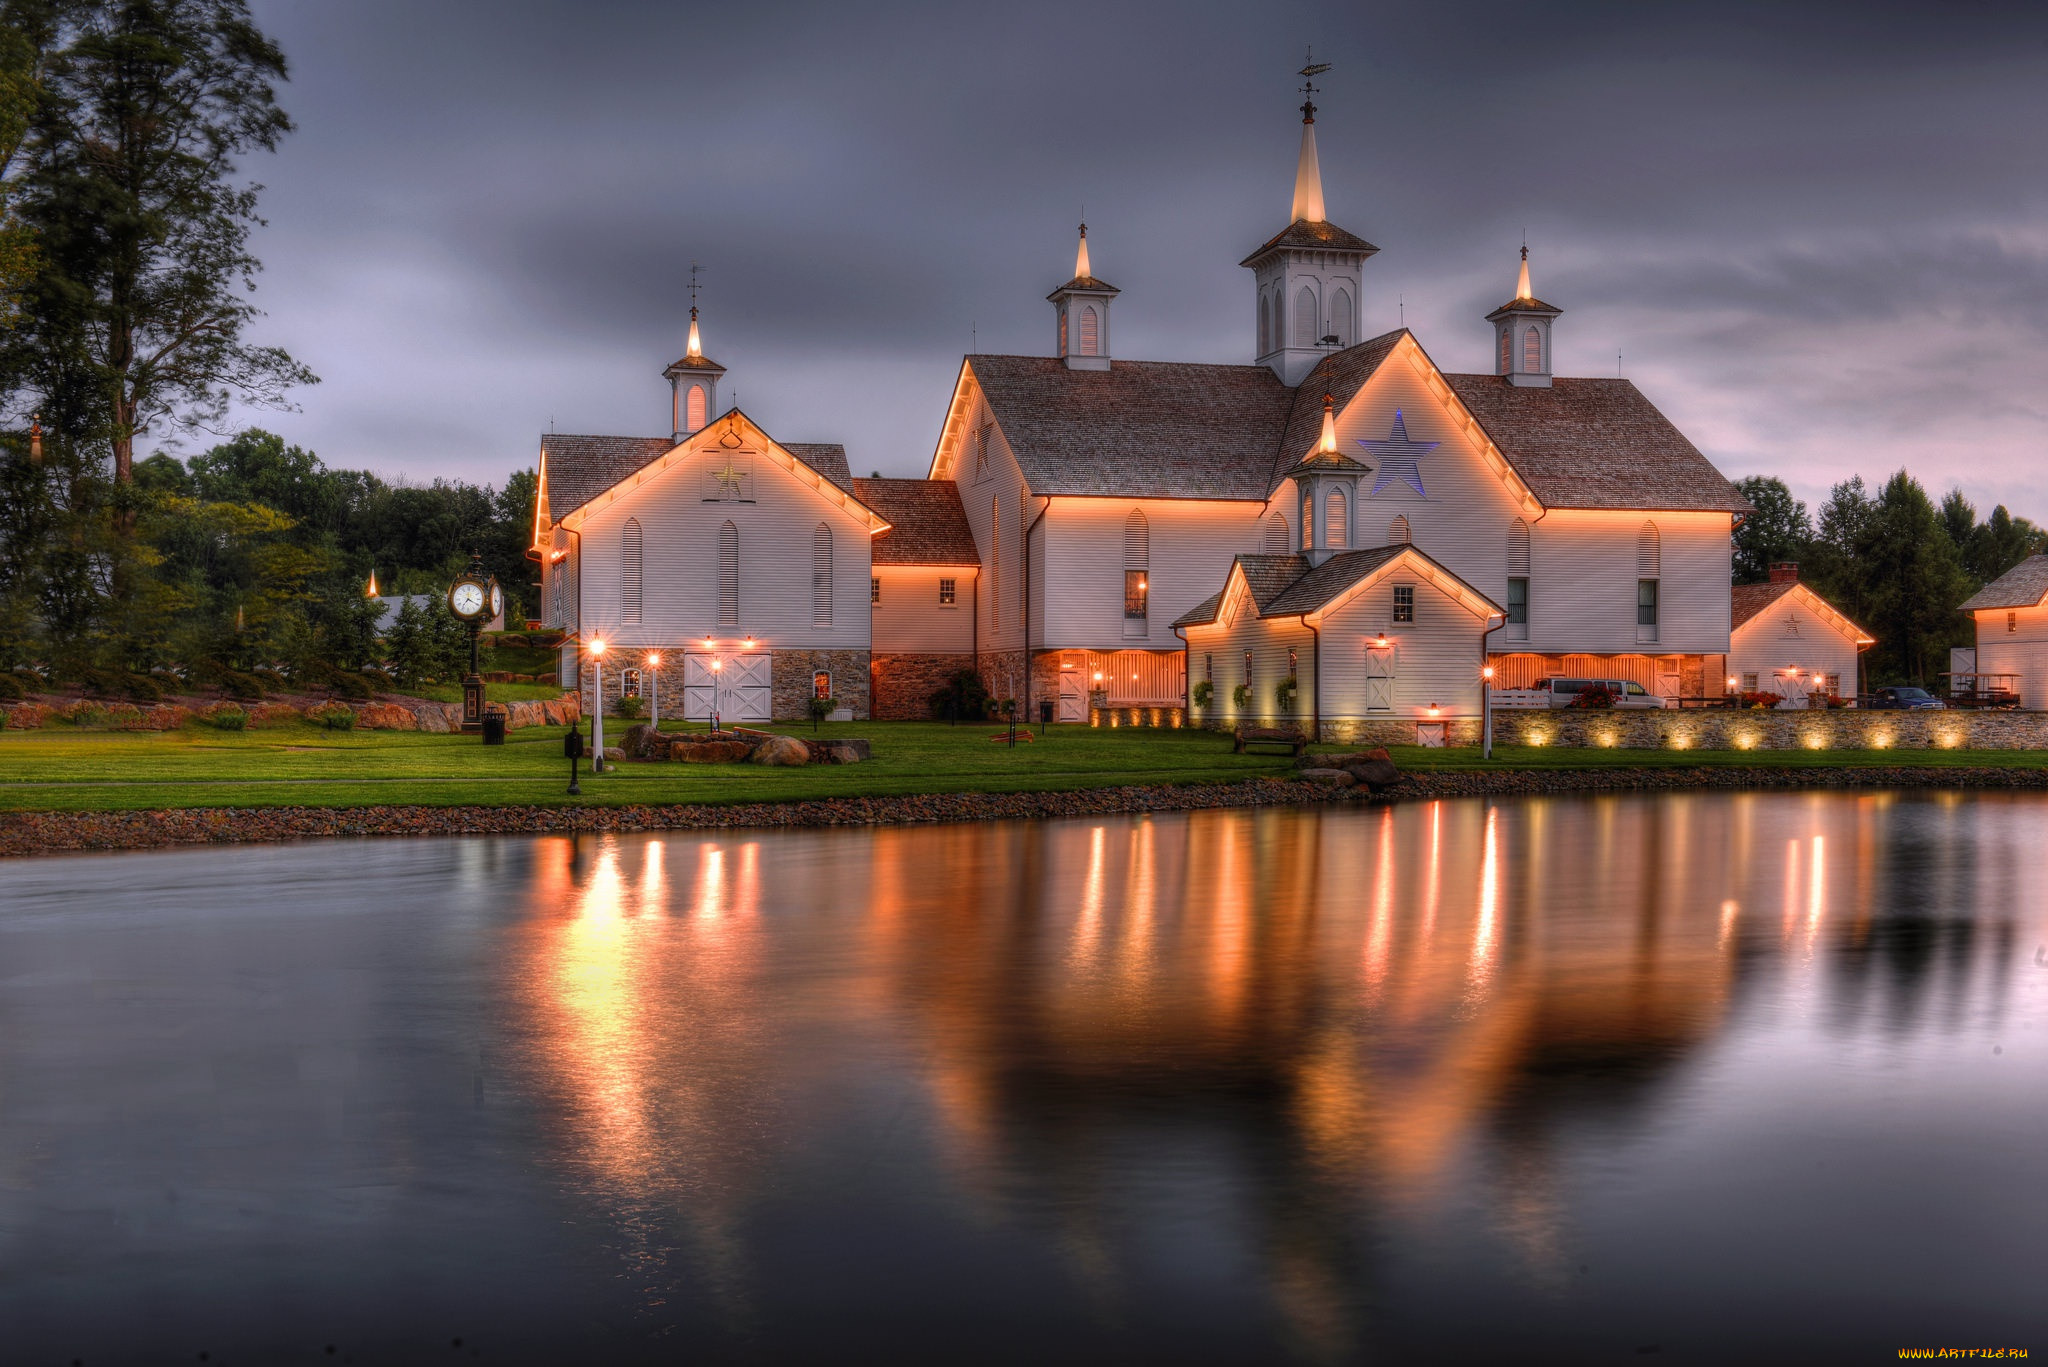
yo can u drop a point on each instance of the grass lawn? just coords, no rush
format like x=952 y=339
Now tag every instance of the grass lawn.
x=63 y=769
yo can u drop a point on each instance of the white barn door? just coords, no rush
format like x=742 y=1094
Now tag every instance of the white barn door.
x=1073 y=687
x=743 y=693
x=1379 y=678
x=700 y=687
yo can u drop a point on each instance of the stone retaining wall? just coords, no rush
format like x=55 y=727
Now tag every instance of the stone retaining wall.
x=903 y=685
x=1714 y=729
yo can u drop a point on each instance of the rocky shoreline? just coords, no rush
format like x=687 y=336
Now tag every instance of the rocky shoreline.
x=31 y=833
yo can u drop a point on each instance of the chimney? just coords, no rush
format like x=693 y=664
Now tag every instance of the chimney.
x=1784 y=571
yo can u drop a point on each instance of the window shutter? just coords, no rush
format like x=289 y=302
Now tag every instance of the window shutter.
x=1518 y=549
x=1305 y=318
x=1532 y=351
x=1398 y=534
x=1340 y=316
x=1307 y=509
x=1649 y=553
x=629 y=572
x=696 y=406
x=1265 y=324
x=1507 y=351
x=728 y=575
x=1336 y=525
x=1276 y=534
x=821 y=576
x=1089 y=331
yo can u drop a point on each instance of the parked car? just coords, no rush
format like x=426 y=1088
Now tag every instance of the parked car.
x=1904 y=699
x=1627 y=693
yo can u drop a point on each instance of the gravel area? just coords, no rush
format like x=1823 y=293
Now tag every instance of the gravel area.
x=33 y=833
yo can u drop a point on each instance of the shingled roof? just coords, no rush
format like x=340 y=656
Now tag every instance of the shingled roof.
x=927 y=524
x=1269 y=576
x=582 y=467
x=1141 y=429
x=828 y=458
x=1342 y=374
x=1312 y=236
x=1595 y=444
x=1202 y=613
x=1747 y=600
x=1323 y=583
x=2025 y=585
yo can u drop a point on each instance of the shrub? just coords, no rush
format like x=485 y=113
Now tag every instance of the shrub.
x=124 y=715
x=161 y=717
x=1759 y=702
x=1204 y=694
x=30 y=681
x=28 y=716
x=234 y=684
x=11 y=689
x=346 y=683
x=225 y=716
x=264 y=713
x=630 y=707
x=84 y=712
x=821 y=708
x=1594 y=695
x=333 y=715
x=1241 y=696
x=142 y=688
x=962 y=697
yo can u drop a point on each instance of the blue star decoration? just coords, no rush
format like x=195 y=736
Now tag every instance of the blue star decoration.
x=1398 y=455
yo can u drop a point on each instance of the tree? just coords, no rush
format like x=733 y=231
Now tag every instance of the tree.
x=136 y=316
x=20 y=72
x=1779 y=529
x=1914 y=579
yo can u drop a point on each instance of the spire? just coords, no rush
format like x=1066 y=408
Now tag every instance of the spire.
x=1081 y=271
x=1308 y=176
x=1328 y=445
x=1522 y=285
x=370 y=591
x=696 y=347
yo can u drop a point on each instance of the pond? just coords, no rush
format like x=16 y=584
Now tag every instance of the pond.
x=1689 y=1078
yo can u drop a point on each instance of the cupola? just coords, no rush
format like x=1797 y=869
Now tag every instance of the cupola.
x=1081 y=313
x=693 y=384
x=1326 y=485
x=1521 y=334
x=1308 y=273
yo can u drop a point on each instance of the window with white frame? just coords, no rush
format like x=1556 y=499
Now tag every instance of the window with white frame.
x=1404 y=604
x=629 y=683
x=1137 y=569
x=1308 y=521
x=981 y=436
x=874 y=590
x=1532 y=350
x=2012 y=624
x=1091 y=335
x=1336 y=521
x=821 y=685
x=948 y=593
x=1398 y=532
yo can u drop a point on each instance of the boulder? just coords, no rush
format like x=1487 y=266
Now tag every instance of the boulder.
x=839 y=752
x=552 y=710
x=708 y=751
x=786 y=751
x=386 y=716
x=572 y=709
x=614 y=755
x=643 y=741
x=1374 y=773
x=432 y=717
x=1343 y=761
x=1332 y=778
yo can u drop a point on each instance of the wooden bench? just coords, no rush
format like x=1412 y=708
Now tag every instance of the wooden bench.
x=1294 y=740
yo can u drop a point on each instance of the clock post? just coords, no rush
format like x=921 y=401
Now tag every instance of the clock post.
x=473 y=597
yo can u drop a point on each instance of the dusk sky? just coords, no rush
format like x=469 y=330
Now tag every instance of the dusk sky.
x=1814 y=233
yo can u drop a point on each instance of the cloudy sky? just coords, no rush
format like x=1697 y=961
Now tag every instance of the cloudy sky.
x=1816 y=235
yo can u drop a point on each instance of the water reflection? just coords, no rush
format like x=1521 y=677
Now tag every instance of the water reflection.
x=1304 y=1041
x=1567 y=1078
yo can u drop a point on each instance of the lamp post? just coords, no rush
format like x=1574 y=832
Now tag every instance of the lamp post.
x=1486 y=712
x=654 y=690
x=597 y=709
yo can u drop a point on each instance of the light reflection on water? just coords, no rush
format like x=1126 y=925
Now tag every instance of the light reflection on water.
x=1693 y=1073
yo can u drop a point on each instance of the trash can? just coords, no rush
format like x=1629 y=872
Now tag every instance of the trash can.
x=1045 y=711
x=494 y=728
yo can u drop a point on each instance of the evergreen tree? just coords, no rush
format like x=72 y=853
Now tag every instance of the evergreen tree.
x=1778 y=530
x=1914 y=579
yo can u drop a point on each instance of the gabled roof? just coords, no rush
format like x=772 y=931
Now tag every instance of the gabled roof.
x=1141 y=429
x=1746 y=602
x=927 y=524
x=1269 y=576
x=1341 y=374
x=1202 y=613
x=1595 y=444
x=1286 y=586
x=1085 y=284
x=1523 y=306
x=828 y=458
x=1323 y=583
x=1307 y=234
x=704 y=363
x=2025 y=585
x=580 y=468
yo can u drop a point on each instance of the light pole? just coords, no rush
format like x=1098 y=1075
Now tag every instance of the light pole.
x=597 y=709
x=654 y=690
x=1486 y=712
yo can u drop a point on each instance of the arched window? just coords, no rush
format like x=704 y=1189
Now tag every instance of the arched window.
x=1649 y=553
x=1305 y=317
x=995 y=563
x=696 y=407
x=1276 y=534
x=1265 y=324
x=1518 y=547
x=1308 y=521
x=821 y=576
x=1340 y=317
x=1063 y=332
x=1398 y=534
x=1532 y=350
x=629 y=572
x=728 y=575
x=1518 y=581
x=1137 y=568
x=1507 y=351
x=1090 y=331
x=1336 y=524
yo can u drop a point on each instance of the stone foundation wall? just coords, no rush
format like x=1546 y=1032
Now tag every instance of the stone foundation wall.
x=1402 y=731
x=902 y=685
x=1846 y=729
x=1171 y=718
x=1001 y=671
x=790 y=681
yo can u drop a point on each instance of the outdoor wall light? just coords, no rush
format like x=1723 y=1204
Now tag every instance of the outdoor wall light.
x=1733 y=681
x=597 y=648
x=1487 y=673
x=716 y=665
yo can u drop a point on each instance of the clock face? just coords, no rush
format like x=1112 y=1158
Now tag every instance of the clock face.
x=497 y=599
x=467 y=598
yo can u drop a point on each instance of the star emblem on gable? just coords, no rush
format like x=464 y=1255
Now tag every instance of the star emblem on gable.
x=1398 y=455
x=1792 y=624
x=731 y=480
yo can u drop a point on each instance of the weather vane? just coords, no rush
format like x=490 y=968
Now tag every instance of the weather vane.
x=694 y=268
x=1310 y=69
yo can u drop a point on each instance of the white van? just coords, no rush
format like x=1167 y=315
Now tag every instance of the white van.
x=1627 y=693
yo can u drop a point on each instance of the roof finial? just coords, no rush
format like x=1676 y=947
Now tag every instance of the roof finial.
x=1081 y=271
x=1522 y=285
x=1308 y=174
x=696 y=347
x=1328 y=445
x=370 y=591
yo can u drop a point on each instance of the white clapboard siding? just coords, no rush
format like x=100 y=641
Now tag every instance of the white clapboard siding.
x=2022 y=651
x=1771 y=647
x=1582 y=564
x=985 y=486
x=679 y=560
x=1189 y=546
x=1436 y=658
x=1223 y=649
x=909 y=619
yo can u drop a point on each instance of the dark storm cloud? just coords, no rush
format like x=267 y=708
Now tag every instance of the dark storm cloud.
x=1814 y=233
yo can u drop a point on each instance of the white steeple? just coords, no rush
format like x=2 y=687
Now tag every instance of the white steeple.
x=1522 y=285
x=1308 y=175
x=1521 y=335
x=1081 y=312
x=693 y=381
x=1081 y=271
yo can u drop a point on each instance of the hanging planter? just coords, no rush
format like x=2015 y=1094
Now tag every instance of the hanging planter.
x=1287 y=693
x=1241 y=696
x=1204 y=694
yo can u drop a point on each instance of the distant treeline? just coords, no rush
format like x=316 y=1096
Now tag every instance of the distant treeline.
x=1895 y=561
